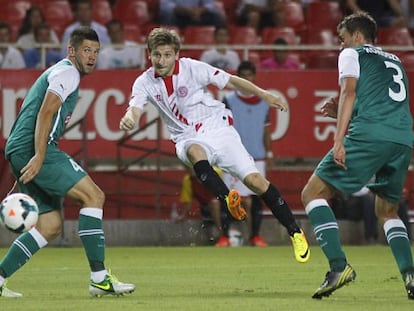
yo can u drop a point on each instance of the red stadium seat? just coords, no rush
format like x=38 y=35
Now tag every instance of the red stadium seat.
x=58 y=14
x=101 y=11
x=322 y=36
x=270 y=34
x=323 y=15
x=197 y=35
x=132 y=12
x=322 y=60
x=408 y=61
x=230 y=8
x=394 y=36
x=133 y=33
x=294 y=17
x=13 y=12
x=243 y=35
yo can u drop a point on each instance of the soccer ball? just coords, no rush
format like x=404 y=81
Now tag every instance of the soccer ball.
x=19 y=212
x=235 y=237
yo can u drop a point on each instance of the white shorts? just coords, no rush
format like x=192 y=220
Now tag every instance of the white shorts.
x=237 y=184
x=224 y=149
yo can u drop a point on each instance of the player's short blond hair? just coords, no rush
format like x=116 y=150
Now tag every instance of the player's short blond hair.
x=163 y=36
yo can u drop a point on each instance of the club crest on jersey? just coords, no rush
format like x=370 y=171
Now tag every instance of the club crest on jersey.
x=182 y=91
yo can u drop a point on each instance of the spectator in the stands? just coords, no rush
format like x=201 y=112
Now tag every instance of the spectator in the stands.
x=281 y=59
x=387 y=13
x=260 y=13
x=33 y=18
x=121 y=53
x=33 y=56
x=83 y=17
x=10 y=57
x=220 y=56
x=183 y=13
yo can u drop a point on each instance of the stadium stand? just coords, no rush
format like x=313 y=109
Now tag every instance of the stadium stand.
x=197 y=35
x=12 y=13
x=394 y=36
x=269 y=34
x=323 y=15
x=243 y=35
x=294 y=16
x=132 y=12
x=58 y=14
x=102 y=11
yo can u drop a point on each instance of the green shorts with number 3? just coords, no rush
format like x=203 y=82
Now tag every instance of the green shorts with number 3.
x=59 y=173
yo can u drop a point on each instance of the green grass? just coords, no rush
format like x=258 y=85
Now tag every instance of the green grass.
x=207 y=278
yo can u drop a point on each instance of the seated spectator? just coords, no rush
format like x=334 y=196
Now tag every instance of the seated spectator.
x=83 y=17
x=124 y=54
x=280 y=59
x=33 y=56
x=33 y=18
x=10 y=57
x=260 y=13
x=220 y=56
x=387 y=13
x=183 y=13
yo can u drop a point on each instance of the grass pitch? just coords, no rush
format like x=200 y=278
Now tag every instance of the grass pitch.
x=207 y=278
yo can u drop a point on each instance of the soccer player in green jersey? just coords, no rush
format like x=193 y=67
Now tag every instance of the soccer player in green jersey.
x=373 y=138
x=47 y=174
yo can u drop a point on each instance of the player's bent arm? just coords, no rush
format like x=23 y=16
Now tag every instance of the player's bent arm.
x=49 y=108
x=346 y=103
x=247 y=86
x=130 y=119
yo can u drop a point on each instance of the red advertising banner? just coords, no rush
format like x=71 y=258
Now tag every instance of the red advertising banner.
x=302 y=132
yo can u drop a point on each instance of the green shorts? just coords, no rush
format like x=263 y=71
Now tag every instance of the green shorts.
x=58 y=174
x=387 y=161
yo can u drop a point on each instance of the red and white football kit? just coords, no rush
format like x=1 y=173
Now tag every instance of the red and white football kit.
x=192 y=115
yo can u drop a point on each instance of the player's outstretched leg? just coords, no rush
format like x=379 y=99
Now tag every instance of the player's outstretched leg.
x=233 y=203
x=110 y=286
x=282 y=212
x=6 y=292
x=333 y=281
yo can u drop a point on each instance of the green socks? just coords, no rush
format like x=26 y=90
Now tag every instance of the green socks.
x=327 y=233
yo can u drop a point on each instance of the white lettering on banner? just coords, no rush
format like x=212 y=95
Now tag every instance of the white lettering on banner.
x=10 y=98
x=324 y=126
x=85 y=101
x=101 y=113
x=282 y=118
x=100 y=128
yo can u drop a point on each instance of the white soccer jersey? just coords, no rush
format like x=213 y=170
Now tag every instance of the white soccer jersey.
x=182 y=99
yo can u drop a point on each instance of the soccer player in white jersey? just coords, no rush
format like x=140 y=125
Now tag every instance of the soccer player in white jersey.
x=201 y=127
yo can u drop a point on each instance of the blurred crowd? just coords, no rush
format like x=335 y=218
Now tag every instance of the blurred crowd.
x=122 y=26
